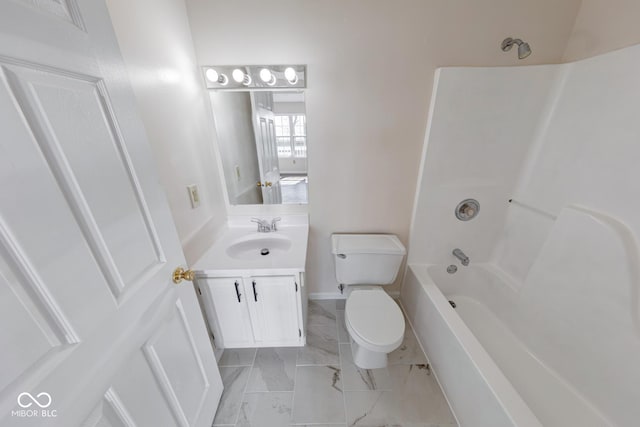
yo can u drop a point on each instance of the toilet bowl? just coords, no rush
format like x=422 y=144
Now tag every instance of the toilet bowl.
x=375 y=324
x=364 y=263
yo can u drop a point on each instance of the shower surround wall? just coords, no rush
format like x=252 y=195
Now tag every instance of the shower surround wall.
x=562 y=142
x=481 y=124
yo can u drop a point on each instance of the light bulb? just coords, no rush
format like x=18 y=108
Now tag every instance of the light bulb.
x=212 y=75
x=267 y=76
x=291 y=75
x=238 y=75
x=241 y=77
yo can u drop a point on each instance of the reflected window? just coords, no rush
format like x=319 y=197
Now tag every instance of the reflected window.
x=291 y=135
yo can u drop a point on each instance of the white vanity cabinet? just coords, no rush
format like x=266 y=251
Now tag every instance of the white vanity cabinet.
x=274 y=310
x=254 y=311
x=252 y=284
x=230 y=309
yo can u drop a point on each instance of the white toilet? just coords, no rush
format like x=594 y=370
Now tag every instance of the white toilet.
x=364 y=263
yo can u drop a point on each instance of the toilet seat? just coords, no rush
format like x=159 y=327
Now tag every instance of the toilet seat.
x=374 y=320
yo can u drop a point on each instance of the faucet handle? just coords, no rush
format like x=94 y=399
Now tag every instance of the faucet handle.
x=274 y=227
x=262 y=224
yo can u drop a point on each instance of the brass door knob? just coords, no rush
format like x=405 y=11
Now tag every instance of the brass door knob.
x=259 y=184
x=267 y=184
x=180 y=274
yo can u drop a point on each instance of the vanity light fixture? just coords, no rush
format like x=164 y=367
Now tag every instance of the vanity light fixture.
x=259 y=77
x=241 y=77
x=214 y=77
x=291 y=75
x=268 y=77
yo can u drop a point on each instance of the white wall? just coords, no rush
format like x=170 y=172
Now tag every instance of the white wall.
x=370 y=69
x=602 y=26
x=571 y=240
x=288 y=107
x=157 y=47
x=292 y=166
x=586 y=153
x=237 y=145
x=481 y=126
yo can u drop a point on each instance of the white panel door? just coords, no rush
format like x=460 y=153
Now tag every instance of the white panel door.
x=229 y=302
x=274 y=304
x=266 y=146
x=93 y=330
x=274 y=174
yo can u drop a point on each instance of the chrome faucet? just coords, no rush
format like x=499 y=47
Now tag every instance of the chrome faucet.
x=264 y=226
x=461 y=256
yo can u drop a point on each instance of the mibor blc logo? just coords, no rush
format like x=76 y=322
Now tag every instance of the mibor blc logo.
x=34 y=406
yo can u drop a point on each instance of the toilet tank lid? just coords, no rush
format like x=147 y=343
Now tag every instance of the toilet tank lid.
x=386 y=244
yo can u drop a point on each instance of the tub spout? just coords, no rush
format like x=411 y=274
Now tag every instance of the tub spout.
x=461 y=256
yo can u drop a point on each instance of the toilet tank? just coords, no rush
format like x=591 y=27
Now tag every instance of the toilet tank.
x=367 y=259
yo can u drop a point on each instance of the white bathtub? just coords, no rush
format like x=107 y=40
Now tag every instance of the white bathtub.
x=489 y=376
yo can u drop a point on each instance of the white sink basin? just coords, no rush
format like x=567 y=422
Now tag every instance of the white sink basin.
x=236 y=250
x=259 y=246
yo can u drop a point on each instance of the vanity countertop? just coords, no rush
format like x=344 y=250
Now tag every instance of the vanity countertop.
x=217 y=261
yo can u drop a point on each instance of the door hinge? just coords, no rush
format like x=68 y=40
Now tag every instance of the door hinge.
x=299 y=333
x=296 y=286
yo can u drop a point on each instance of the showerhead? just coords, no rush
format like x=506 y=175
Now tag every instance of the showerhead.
x=524 y=50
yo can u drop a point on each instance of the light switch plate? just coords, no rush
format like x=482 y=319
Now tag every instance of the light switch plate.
x=193 y=195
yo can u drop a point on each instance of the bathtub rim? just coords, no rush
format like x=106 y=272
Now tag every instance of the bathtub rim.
x=516 y=409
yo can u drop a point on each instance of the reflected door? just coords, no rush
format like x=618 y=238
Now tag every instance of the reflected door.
x=266 y=146
x=93 y=329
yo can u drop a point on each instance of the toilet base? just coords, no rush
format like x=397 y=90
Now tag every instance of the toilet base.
x=367 y=359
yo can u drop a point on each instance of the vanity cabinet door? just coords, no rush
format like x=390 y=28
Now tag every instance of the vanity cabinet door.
x=274 y=305
x=231 y=311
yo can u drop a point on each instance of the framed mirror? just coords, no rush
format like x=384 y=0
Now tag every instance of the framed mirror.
x=262 y=139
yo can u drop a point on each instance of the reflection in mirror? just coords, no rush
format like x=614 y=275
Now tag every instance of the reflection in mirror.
x=262 y=138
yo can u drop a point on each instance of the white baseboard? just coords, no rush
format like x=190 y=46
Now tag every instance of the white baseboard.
x=338 y=295
x=326 y=295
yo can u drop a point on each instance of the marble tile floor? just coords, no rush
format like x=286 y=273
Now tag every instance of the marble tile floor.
x=319 y=385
